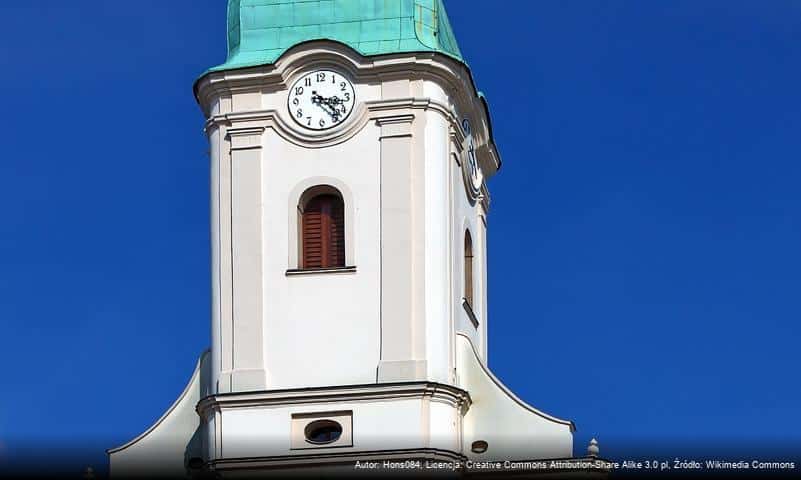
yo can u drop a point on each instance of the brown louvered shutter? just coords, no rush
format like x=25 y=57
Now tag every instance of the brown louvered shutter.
x=324 y=232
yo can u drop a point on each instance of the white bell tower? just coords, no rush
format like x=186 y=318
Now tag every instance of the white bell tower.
x=348 y=228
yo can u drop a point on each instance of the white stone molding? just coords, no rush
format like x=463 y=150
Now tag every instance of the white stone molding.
x=380 y=111
x=320 y=271
x=442 y=393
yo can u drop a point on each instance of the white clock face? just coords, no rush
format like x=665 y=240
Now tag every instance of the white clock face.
x=321 y=99
x=472 y=172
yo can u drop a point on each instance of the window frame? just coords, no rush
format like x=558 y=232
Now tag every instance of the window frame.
x=298 y=198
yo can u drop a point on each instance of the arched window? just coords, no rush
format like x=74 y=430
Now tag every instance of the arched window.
x=323 y=231
x=468 y=268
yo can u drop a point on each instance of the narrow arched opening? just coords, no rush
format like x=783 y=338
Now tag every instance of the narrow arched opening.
x=468 y=268
x=322 y=228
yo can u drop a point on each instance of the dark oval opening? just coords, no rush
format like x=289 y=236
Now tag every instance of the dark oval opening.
x=479 y=446
x=323 y=431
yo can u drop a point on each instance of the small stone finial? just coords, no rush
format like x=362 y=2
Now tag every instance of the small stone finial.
x=592 y=448
x=89 y=473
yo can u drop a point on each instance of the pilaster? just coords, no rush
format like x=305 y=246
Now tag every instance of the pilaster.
x=402 y=329
x=244 y=344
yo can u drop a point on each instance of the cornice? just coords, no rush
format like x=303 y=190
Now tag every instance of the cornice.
x=382 y=112
x=454 y=77
x=439 y=392
x=333 y=55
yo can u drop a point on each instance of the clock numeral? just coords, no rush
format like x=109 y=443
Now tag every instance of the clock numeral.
x=299 y=113
x=320 y=77
x=347 y=96
x=308 y=120
x=295 y=102
x=322 y=122
x=307 y=82
x=343 y=86
x=298 y=90
x=344 y=110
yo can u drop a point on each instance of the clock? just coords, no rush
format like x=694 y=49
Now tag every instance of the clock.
x=321 y=99
x=471 y=171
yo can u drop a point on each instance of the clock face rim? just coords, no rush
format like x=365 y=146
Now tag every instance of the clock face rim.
x=314 y=72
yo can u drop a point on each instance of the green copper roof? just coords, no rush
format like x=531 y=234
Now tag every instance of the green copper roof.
x=259 y=31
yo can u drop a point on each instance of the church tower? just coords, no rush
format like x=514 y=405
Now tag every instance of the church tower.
x=349 y=155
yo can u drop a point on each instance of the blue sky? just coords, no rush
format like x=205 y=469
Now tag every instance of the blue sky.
x=644 y=259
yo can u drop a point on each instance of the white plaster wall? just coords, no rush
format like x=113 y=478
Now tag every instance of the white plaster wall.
x=322 y=328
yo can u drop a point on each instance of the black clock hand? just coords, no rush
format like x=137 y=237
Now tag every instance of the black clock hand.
x=317 y=99
x=327 y=104
x=332 y=101
x=335 y=103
